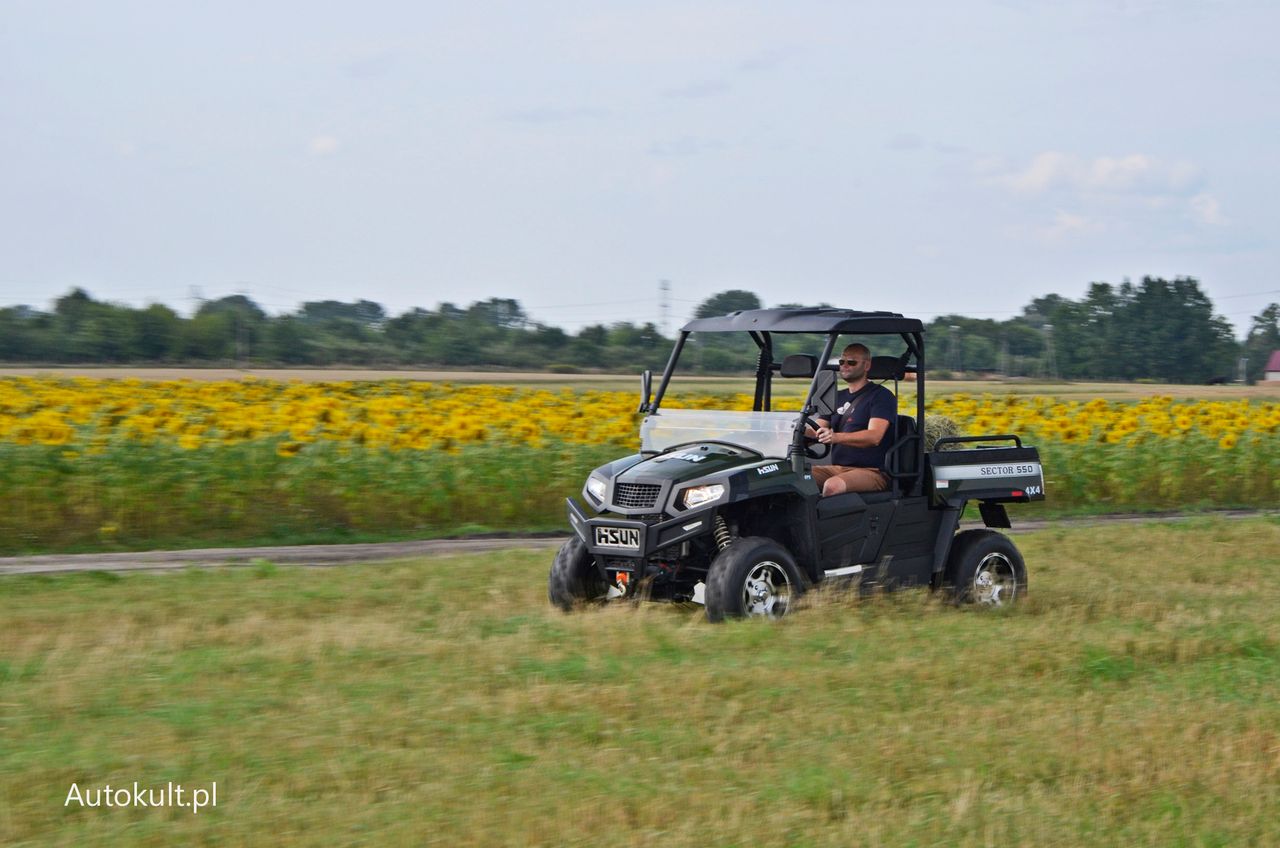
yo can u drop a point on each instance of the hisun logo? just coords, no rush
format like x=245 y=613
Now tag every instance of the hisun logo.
x=767 y=469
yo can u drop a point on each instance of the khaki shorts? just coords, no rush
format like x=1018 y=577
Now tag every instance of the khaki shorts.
x=855 y=479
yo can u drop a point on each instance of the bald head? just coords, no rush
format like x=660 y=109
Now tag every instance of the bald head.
x=855 y=363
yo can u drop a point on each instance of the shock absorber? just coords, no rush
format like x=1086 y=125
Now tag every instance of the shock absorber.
x=723 y=538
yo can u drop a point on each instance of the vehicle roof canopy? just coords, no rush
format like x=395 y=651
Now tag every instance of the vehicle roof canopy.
x=817 y=319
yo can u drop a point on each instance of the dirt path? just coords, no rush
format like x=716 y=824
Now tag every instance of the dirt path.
x=329 y=555
x=287 y=555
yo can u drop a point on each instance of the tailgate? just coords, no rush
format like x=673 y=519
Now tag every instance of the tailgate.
x=993 y=473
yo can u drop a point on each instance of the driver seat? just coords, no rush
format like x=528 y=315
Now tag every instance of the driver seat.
x=902 y=462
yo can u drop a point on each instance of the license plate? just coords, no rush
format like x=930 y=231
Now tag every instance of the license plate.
x=618 y=537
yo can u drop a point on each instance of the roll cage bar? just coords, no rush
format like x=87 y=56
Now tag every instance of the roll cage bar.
x=762 y=324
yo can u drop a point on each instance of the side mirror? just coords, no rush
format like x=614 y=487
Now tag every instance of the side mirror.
x=824 y=395
x=646 y=390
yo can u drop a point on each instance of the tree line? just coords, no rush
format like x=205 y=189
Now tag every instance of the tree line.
x=1163 y=330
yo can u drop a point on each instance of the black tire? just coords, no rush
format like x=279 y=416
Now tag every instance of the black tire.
x=574 y=579
x=985 y=568
x=754 y=576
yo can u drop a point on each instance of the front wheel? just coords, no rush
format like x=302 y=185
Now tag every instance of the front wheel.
x=754 y=576
x=985 y=568
x=574 y=578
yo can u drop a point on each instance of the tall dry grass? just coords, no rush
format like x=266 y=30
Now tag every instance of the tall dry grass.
x=1132 y=701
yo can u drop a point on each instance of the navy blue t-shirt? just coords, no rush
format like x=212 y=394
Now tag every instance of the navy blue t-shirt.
x=854 y=415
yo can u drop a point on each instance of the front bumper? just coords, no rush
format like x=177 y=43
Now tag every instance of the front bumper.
x=650 y=538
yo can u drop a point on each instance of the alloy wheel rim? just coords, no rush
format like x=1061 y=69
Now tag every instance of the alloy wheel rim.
x=995 y=583
x=767 y=590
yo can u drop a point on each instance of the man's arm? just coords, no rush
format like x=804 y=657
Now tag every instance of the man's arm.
x=868 y=438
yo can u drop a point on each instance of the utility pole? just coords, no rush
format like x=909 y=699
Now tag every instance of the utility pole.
x=1244 y=372
x=664 y=305
x=953 y=349
x=240 y=344
x=1004 y=358
x=1049 y=367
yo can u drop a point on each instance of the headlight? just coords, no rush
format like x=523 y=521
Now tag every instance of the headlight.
x=595 y=488
x=699 y=495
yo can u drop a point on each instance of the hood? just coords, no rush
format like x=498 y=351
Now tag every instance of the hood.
x=688 y=462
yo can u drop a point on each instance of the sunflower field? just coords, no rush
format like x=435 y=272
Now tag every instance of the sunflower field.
x=126 y=464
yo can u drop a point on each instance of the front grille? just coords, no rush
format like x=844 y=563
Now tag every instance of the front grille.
x=636 y=495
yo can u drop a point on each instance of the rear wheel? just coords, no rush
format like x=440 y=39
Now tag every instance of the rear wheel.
x=986 y=569
x=574 y=578
x=754 y=576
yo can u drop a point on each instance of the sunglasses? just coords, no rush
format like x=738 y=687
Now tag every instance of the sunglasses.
x=849 y=361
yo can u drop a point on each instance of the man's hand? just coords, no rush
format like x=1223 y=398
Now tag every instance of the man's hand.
x=826 y=435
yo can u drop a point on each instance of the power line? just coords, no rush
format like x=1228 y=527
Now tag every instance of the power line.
x=1250 y=294
x=592 y=303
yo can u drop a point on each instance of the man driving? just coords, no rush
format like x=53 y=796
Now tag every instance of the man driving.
x=856 y=431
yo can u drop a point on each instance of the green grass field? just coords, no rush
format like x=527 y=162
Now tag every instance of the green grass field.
x=1133 y=700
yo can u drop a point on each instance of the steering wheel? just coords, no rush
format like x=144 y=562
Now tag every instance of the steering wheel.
x=812 y=445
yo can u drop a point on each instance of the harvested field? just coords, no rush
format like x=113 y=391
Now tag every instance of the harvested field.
x=625 y=382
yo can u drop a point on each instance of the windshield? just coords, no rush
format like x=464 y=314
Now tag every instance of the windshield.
x=767 y=433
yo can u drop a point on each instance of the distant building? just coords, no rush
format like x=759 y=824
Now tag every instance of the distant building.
x=1272 y=371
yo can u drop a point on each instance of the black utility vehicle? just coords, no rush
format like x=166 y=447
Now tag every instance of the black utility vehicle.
x=720 y=507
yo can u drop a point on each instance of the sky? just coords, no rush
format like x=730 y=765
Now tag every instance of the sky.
x=923 y=158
